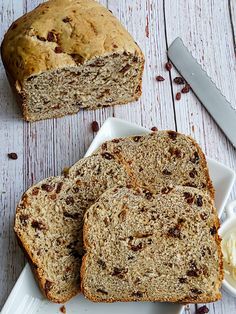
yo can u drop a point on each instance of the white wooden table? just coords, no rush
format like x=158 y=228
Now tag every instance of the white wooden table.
x=208 y=28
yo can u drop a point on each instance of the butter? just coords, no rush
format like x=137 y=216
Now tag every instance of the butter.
x=229 y=253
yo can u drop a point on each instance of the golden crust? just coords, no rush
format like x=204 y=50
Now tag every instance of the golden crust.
x=48 y=37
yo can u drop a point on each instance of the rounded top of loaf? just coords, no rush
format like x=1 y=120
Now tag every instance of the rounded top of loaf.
x=61 y=33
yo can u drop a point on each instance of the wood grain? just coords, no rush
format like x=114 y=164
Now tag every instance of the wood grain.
x=44 y=148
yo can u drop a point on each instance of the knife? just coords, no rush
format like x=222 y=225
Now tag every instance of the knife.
x=204 y=88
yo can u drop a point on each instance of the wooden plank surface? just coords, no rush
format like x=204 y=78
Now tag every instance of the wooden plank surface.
x=44 y=148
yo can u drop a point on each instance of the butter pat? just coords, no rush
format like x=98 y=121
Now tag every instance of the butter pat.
x=229 y=253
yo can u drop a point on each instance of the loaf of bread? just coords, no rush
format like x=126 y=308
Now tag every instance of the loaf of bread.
x=49 y=217
x=152 y=247
x=162 y=158
x=66 y=55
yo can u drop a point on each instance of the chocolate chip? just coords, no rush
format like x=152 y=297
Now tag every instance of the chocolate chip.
x=125 y=68
x=182 y=280
x=41 y=38
x=138 y=294
x=160 y=78
x=47 y=187
x=154 y=129
x=70 y=200
x=172 y=135
x=116 y=140
x=148 y=195
x=213 y=230
x=178 y=96
x=12 y=156
x=50 y=37
x=204 y=216
x=102 y=291
x=179 y=80
x=174 y=232
x=136 y=248
x=71 y=215
x=189 y=197
x=104 y=146
x=122 y=215
x=195 y=159
x=63 y=309
x=107 y=156
x=66 y=20
x=166 y=172
x=199 y=201
x=95 y=126
x=193 y=173
x=119 y=272
x=23 y=219
x=39 y=225
x=106 y=222
x=192 y=273
x=59 y=187
x=101 y=263
x=196 y=291
x=35 y=191
x=48 y=285
x=168 y=66
x=136 y=138
x=166 y=190
x=202 y=310
x=58 y=49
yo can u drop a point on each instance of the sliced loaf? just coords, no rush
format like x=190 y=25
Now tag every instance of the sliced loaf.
x=49 y=223
x=162 y=157
x=68 y=55
x=142 y=246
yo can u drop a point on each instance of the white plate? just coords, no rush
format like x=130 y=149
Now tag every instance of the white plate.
x=26 y=298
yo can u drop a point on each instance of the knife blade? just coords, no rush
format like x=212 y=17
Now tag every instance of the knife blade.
x=204 y=88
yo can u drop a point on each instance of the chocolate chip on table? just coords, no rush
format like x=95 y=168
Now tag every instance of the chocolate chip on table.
x=202 y=310
x=12 y=156
x=154 y=129
x=178 y=96
x=179 y=80
x=95 y=126
x=160 y=78
x=168 y=66
x=185 y=89
x=63 y=309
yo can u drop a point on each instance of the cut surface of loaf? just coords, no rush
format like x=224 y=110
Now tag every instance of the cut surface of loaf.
x=142 y=246
x=68 y=55
x=162 y=158
x=49 y=223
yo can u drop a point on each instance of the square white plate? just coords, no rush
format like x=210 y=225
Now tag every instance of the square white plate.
x=26 y=297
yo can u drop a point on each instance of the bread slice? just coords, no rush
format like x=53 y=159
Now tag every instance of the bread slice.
x=162 y=158
x=142 y=246
x=69 y=55
x=49 y=223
